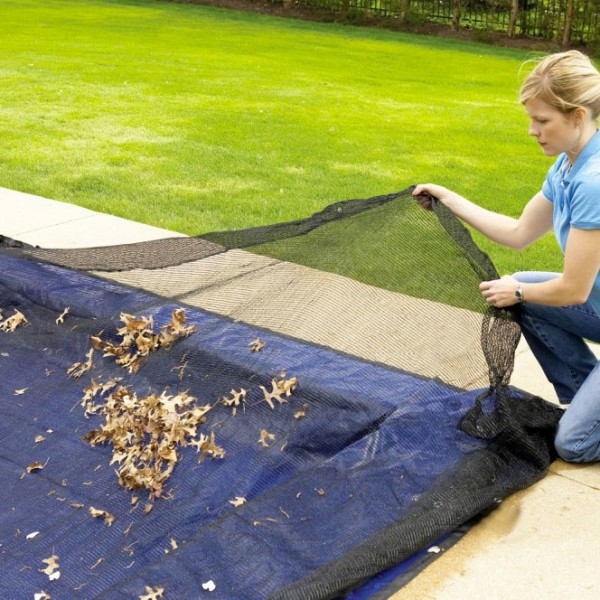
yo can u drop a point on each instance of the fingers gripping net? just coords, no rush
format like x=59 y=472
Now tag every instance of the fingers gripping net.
x=314 y=402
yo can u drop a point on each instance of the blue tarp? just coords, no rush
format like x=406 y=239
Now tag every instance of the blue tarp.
x=374 y=441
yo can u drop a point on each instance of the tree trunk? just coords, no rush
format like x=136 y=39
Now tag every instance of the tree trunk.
x=566 y=38
x=514 y=13
x=456 y=16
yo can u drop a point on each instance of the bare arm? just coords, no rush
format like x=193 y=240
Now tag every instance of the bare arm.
x=535 y=220
x=582 y=263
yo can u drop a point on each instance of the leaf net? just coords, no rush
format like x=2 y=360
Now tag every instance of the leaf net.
x=279 y=412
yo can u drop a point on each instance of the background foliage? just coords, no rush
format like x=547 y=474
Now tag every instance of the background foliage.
x=564 y=21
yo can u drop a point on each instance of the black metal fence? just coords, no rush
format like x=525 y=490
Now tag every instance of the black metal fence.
x=567 y=22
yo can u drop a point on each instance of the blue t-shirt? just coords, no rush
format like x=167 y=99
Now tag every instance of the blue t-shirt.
x=575 y=196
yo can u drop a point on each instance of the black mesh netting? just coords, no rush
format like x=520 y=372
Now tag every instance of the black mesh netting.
x=279 y=412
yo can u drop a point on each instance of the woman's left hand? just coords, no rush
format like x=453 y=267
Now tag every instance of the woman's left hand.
x=500 y=292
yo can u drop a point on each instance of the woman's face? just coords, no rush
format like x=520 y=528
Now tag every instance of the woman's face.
x=554 y=131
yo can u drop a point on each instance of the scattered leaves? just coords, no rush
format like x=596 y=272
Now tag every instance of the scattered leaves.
x=102 y=514
x=138 y=339
x=265 y=438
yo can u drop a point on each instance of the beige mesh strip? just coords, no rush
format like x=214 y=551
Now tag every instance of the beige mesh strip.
x=416 y=335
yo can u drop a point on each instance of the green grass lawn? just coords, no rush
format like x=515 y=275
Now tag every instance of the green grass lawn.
x=199 y=119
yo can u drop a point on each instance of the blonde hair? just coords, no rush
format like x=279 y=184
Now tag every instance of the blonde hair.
x=566 y=81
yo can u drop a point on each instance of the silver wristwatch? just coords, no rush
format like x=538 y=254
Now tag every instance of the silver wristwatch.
x=519 y=293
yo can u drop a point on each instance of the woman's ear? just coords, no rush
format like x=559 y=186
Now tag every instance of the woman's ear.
x=580 y=115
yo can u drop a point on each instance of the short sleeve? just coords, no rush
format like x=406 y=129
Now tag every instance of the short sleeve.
x=585 y=203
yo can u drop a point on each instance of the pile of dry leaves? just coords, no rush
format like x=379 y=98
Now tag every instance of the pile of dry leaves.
x=146 y=432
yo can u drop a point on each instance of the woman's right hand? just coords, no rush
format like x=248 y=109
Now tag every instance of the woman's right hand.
x=431 y=189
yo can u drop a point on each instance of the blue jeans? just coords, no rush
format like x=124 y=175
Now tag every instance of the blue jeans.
x=556 y=336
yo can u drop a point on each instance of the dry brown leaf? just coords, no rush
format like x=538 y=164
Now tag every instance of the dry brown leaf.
x=279 y=388
x=235 y=399
x=102 y=514
x=238 y=501
x=320 y=491
x=39 y=438
x=61 y=318
x=287 y=386
x=208 y=447
x=175 y=329
x=257 y=345
x=35 y=466
x=52 y=566
x=265 y=438
x=41 y=596
x=152 y=593
x=76 y=505
x=14 y=321
x=21 y=391
x=302 y=412
x=180 y=369
x=77 y=369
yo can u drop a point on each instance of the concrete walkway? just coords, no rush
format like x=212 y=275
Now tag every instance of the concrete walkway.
x=542 y=543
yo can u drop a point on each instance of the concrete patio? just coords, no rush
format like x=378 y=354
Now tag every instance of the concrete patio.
x=542 y=543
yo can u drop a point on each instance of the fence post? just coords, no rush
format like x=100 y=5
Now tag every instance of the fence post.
x=404 y=8
x=514 y=13
x=456 y=15
x=566 y=38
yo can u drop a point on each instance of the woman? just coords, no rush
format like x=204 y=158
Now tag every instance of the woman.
x=559 y=310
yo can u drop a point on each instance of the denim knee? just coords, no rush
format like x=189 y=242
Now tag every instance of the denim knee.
x=574 y=451
x=565 y=451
